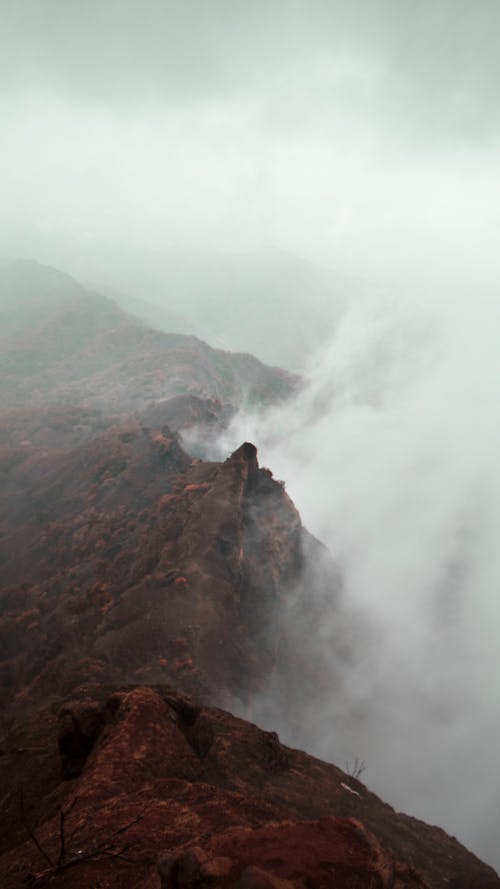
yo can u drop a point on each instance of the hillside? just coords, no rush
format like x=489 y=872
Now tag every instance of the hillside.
x=125 y=560
x=141 y=588
x=61 y=343
x=156 y=791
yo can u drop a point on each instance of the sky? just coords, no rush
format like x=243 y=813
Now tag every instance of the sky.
x=391 y=454
x=364 y=137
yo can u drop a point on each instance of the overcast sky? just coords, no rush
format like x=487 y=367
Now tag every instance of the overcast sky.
x=364 y=134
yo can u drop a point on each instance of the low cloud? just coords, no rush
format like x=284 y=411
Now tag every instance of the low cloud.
x=390 y=453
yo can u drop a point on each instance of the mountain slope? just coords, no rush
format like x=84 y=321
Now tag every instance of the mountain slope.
x=158 y=791
x=124 y=560
x=61 y=343
x=127 y=564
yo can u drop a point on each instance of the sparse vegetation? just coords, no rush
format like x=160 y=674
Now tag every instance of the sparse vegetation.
x=355 y=769
x=110 y=846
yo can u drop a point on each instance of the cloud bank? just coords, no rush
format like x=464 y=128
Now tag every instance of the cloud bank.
x=391 y=454
x=364 y=137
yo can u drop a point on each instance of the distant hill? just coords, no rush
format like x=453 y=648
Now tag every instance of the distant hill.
x=62 y=343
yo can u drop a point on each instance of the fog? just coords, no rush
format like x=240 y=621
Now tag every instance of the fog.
x=364 y=138
x=391 y=454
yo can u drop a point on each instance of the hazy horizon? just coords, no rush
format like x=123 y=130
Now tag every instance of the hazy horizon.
x=363 y=138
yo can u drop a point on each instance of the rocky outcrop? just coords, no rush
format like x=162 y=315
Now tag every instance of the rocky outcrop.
x=323 y=853
x=177 y=795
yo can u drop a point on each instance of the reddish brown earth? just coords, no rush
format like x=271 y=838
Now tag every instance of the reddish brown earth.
x=129 y=568
x=157 y=791
x=127 y=561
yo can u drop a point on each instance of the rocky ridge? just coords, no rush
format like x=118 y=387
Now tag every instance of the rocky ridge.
x=131 y=567
x=191 y=589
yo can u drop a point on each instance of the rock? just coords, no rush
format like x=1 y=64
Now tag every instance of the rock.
x=187 y=870
x=216 y=869
x=79 y=728
x=192 y=869
x=166 y=865
x=256 y=878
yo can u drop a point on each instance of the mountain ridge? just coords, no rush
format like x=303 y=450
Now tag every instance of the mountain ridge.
x=135 y=574
x=75 y=346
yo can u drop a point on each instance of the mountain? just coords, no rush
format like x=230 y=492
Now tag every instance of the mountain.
x=62 y=343
x=141 y=589
x=124 y=560
x=111 y=535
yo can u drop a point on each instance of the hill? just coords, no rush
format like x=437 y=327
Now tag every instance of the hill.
x=126 y=560
x=61 y=343
x=134 y=574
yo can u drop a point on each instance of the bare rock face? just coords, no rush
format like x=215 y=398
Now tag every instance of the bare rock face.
x=151 y=806
x=79 y=728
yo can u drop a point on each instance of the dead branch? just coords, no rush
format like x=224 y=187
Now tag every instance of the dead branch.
x=356 y=769
x=103 y=848
x=31 y=833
